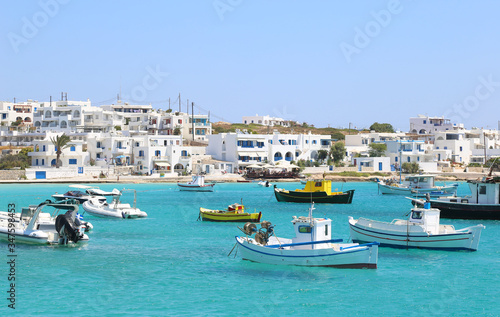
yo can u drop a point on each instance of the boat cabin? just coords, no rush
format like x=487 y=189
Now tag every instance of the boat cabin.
x=318 y=229
x=426 y=217
x=320 y=185
x=420 y=181
x=486 y=191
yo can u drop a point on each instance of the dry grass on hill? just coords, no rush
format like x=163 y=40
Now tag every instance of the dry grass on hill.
x=222 y=127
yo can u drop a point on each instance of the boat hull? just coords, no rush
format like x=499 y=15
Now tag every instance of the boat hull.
x=467 y=239
x=359 y=257
x=459 y=210
x=110 y=212
x=195 y=188
x=230 y=216
x=316 y=197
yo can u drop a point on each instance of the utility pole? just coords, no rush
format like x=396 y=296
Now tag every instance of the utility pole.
x=179 y=102
x=168 y=103
x=484 y=141
x=192 y=118
x=187 y=107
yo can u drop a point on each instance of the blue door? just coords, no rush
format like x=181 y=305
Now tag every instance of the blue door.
x=379 y=166
x=40 y=175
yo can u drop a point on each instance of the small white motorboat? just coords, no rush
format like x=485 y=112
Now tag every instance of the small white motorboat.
x=264 y=184
x=312 y=246
x=421 y=230
x=45 y=217
x=197 y=184
x=82 y=193
x=33 y=229
x=115 y=208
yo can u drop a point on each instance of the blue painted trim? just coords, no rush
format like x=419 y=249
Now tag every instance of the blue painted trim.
x=303 y=243
x=361 y=245
x=411 y=236
x=395 y=246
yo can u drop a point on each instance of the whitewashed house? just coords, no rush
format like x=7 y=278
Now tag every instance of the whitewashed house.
x=402 y=151
x=452 y=146
x=44 y=153
x=266 y=120
x=424 y=124
x=244 y=149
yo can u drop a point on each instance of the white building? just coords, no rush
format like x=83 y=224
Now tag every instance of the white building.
x=18 y=113
x=372 y=164
x=60 y=116
x=265 y=120
x=244 y=149
x=44 y=153
x=418 y=151
x=430 y=125
x=452 y=146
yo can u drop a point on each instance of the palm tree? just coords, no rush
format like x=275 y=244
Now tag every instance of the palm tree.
x=60 y=142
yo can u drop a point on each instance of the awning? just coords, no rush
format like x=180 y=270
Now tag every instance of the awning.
x=163 y=164
x=121 y=156
x=252 y=154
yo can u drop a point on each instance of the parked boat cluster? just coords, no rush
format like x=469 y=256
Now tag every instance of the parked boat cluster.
x=63 y=224
x=314 y=243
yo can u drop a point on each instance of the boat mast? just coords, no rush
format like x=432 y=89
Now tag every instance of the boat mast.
x=400 y=160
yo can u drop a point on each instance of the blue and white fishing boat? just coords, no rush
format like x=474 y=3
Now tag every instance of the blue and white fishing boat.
x=421 y=230
x=415 y=185
x=312 y=246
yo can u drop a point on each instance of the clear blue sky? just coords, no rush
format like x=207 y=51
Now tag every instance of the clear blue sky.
x=322 y=62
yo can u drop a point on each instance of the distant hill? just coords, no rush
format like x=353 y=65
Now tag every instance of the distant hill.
x=224 y=127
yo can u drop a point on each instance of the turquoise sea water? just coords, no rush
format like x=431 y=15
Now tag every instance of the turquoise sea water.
x=172 y=264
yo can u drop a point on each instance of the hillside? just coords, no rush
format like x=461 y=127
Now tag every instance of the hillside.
x=223 y=127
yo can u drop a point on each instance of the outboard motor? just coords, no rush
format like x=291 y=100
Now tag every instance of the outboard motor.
x=67 y=229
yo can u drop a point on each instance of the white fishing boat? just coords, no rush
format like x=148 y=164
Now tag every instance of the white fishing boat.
x=415 y=185
x=312 y=246
x=114 y=209
x=421 y=230
x=31 y=229
x=196 y=184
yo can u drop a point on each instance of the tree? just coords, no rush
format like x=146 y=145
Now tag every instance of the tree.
x=60 y=143
x=377 y=149
x=337 y=152
x=322 y=155
x=410 y=168
x=177 y=130
x=382 y=127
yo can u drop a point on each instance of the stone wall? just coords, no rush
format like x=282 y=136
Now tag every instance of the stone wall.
x=11 y=174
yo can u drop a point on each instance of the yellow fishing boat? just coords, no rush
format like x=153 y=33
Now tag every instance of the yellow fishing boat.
x=234 y=213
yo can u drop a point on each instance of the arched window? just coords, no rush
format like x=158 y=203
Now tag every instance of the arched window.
x=48 y=114
x=27 y=119
x=421 y=131
x=278 y=156
x=64 y=124
x=288 y=156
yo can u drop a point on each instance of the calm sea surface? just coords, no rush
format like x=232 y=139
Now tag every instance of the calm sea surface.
x=172 y=264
